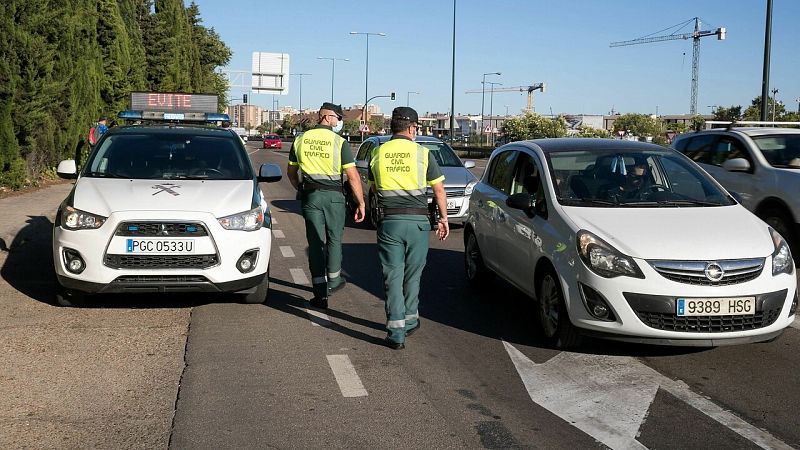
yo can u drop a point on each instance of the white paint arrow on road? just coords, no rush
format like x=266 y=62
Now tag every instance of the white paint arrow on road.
x=608 y=397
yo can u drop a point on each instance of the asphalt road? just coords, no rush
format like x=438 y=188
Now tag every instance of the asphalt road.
x=208 y=372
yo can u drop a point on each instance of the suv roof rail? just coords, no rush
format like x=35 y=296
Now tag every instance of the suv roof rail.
x=758 y=123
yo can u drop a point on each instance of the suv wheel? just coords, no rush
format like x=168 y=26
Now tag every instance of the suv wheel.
x=373 y=210
x=477 y=272
x=260 y=294
x=69 y=298
x=557 y=329
x=780 y=222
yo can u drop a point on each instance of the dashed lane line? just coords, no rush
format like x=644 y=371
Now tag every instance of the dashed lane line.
x=287 y=251
x=346 y=376
x=278 y=234
x=299 y=277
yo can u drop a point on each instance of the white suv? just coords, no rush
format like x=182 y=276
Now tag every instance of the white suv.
x=628 y=241
x=164 y=208
x=762 y=165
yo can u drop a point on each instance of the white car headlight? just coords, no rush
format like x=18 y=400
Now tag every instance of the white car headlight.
x=603 y=259
x=248 y=221
x=75 y=219
x=470 y=187
x=782 y=257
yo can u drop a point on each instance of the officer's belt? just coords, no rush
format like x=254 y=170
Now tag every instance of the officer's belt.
x=312 y=186
x=409 y=211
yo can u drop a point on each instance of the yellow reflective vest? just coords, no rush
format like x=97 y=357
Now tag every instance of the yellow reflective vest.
x=319 y=155
x=400 y=168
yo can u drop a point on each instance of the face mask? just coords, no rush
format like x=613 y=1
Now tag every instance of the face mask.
x=338 y=126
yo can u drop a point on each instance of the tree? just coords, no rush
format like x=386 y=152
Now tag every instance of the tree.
x=591 y=132
x=376 y=124
x=350 y=126
x=534 y=126
x=635 y=124
x=753 y=112
x=732 y=113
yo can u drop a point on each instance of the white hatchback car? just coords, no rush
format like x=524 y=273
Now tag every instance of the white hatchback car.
x=627 y=241
x=164 y=208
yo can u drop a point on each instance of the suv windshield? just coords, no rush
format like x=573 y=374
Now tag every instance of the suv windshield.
x=444 y=155
x=168 y=156
x=631 y=179
x=780 y=150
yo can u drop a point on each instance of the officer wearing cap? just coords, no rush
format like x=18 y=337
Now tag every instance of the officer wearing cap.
x=322 y=155
x=400 y=172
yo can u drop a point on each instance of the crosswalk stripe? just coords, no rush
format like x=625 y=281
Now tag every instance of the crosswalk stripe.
x=299 y=277
x=346 y=376
x=278 y=234
x=287 y=251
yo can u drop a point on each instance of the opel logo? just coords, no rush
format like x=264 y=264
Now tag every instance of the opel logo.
x=714 y=272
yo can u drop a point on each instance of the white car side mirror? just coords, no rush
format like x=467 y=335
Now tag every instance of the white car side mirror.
x=67 y=169
x=469 y=164
x=736 y=165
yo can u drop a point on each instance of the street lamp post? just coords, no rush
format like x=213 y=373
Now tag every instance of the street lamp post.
x=366 y=77
x=408 y=95
x=483 y=97
x=798 y=104
x=491 y=104
x=301 y=89
x=333 y=69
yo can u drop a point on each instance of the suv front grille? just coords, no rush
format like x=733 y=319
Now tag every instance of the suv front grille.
x=161 y=229
x=455 y=193
x=149 y=279
x=709 y=324
x=160 y=261
x=693 y=272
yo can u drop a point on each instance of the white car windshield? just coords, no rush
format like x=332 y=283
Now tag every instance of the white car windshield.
x=445 y=156
x=168 y=156
x=631 y=179
x=780 y=150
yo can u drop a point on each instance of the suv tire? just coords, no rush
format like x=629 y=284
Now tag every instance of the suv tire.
x=373 y=210
x=260 y=294
x=780 y=221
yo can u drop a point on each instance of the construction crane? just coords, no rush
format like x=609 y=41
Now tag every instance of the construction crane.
x=529 y=89
x=695 y=36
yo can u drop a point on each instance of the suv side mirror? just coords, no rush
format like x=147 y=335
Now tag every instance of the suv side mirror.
x=469 y=164
x=269 y=173
x=67 y=169
x=522 y=200
x=736 y=165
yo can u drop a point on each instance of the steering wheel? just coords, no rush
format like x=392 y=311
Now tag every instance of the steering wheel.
x=657 y=188
x=206 y=171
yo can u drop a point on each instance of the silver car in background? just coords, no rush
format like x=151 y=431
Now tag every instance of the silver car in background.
x=458 y=180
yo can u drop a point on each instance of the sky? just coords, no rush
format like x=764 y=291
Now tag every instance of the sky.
x=564 y=44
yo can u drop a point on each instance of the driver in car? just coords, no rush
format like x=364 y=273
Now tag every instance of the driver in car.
x=634 y=182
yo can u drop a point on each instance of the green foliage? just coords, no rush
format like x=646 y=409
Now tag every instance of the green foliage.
x=350 y=127
x=591 y=132
x=534 y=126
x=641 y=125
x=64 y=63
x=776 y=110
x=732 y=113
x=377 y=124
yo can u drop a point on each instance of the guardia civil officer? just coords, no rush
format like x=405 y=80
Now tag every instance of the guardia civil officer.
x=400 y=172
x=322 y=155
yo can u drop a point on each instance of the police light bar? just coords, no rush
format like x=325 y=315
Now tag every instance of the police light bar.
x=174 y=117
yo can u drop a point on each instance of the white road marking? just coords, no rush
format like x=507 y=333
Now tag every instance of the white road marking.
x=287 y=251
x=346 y=376
x=299 y=277
x=254 y=151
x=318 y=318
x=273 y=220
x=608 y=397
x=278 y=234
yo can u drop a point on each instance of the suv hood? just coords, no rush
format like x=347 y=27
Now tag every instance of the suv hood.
x=695 y=233
x=219 y=197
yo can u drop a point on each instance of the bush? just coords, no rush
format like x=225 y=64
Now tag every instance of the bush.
x=15 y=175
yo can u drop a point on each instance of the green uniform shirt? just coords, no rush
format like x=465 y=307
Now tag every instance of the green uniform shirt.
x=433 y=175
x=346 y=157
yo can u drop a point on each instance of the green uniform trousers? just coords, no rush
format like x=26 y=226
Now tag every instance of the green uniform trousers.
x=402 y=252
x=324 y=214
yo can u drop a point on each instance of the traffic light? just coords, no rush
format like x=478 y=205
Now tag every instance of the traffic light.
x=244 y=98
x=392 y=96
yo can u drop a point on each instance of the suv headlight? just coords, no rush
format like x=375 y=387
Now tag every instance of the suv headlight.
x=75 y=219
x=603 y=259
x=470 y=187
x=782 y=256
x=247 y=221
